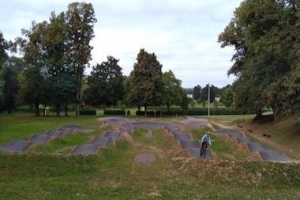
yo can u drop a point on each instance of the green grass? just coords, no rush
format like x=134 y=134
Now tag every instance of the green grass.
x=224 y=147
x=23 y=126
x=60 y=143
x=112 y=173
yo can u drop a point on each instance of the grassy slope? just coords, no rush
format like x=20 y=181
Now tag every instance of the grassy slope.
x=112 y=174
x=284 y=134
x=23 y=126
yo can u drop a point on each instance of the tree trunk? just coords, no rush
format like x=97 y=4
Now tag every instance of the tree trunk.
x=57 y=109
x=168 y=106
x=66 y=110
x=36 y=108
x=78 y=96
x=145 y=110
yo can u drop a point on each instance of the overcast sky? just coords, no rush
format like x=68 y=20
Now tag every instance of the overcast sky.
x=182 y=33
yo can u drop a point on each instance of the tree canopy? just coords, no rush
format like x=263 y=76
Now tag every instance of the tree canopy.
x=146 y=81
x=172 y=93
x=105 y=84
x=264 y=34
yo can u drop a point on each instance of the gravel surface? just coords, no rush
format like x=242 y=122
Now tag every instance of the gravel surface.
x=15 y=146
x=85 y=149
x=272 y=155
x=40 y=138
x=101 y=141
x=265 y=153
x=195 y=153
x=112 y=134
x=185 y=144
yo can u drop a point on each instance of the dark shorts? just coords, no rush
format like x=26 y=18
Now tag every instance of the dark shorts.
x=204 y=145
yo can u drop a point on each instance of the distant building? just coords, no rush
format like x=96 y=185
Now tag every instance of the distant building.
x=189 y=96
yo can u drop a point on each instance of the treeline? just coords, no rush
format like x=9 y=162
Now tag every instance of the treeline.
x=265 y=35
x=56 y=53
x=54 y=57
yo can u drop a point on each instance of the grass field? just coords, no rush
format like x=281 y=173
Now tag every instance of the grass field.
x=112 y=174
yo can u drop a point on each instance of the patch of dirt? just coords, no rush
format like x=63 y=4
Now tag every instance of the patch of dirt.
x=145 y=158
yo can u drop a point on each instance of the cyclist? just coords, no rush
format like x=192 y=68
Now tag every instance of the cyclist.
x=205 y=141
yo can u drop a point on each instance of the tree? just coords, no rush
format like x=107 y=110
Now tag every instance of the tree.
x=31 y=87
x=146 y=81
x=227 y=97
x=11 y=71
x=172 y=93
x=197 y=92
x=58 y=71
x=105 y=84
x=126 y=92
x=204 y=94
x=80 y=19
x=3 y=58
x=185 y=101
x=265 y=36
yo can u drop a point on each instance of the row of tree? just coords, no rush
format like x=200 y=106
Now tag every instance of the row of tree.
x=54 y=56
x=265 y=35
x=146 y=85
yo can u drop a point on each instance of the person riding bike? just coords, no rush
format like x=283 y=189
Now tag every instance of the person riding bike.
x=205 y=141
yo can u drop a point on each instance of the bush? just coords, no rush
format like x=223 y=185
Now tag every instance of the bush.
x=114 y=112
x=87 y=112
x=142 y=113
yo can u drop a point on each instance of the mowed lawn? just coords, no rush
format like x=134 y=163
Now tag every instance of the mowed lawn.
x=112 y=173
x=23 y=126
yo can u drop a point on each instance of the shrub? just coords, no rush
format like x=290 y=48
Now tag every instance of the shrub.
x=114 y=112
x=87 y=112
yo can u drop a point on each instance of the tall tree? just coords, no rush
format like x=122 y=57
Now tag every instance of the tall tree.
x=197 y=92
x=105 y=84
x=172 y=93
x=32 y=80
x=3 y=57
x=31 y=87
x=126 y=92
x=59 y=73
x=227 y=96
x=204 y=94
x=146 y=81
x=264 y=35
x=12 y=68
x=80 y=19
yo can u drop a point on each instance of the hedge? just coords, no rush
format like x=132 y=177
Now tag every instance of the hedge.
x=114 y=112
x=87 y=112
x=189 y=112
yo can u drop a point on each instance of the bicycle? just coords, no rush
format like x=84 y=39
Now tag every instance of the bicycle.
x=203 y=151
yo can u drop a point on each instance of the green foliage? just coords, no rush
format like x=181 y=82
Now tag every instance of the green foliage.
x=195 y=111
x=146 y=81
x=105 y=84
x=1 y=87
x=114 y=112
x=172 y=93
x=204 y=94
x=185 y=101
x=227 y=97
x=11 y=85
x=88 y=112
x=79 y=16
x=197 y=92
x=266 y=40
x=55 y=64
